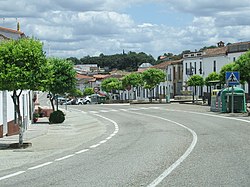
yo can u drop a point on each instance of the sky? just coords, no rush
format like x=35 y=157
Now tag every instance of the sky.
x=78 y=28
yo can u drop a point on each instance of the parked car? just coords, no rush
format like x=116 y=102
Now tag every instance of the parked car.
x=69 y=102
x=80 y=101
x=87 y=100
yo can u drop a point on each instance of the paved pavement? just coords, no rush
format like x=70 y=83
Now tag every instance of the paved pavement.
x=47 y=140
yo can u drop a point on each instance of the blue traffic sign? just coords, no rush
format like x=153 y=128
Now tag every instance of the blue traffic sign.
x=232 y=78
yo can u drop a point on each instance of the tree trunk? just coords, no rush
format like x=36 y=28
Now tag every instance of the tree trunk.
x=16 y=101
x=52 y=103
x=151 y=95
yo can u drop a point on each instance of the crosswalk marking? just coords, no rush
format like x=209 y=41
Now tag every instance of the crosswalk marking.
x=117 y=110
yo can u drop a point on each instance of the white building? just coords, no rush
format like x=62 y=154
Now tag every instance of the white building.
x=211 y=60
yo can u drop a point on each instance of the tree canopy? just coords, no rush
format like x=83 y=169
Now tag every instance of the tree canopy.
x=224 y=69
x=62 y=77
x=243 y=66
x=195 y=80
x=22 y=65
x=152 y=77
x=128 y=62
x=211 y=77
x=132 y=79
x=111 y=84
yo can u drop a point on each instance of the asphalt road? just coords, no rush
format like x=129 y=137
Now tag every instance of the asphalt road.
x=151 y=145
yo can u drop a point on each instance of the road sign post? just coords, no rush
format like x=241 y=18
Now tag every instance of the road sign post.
x=232 y=79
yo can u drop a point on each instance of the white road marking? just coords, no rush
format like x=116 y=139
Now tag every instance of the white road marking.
x=93 y=112
x=181 y=159
x=81 y=151
x=108 y=138
x=65 y=157
x=144 y=108
x=94 y=146
x=11 y=175
x=103 y=141
x=104 y=111
x=211 y=115
x=41 y=165
x=113 y=110
x=123 y=109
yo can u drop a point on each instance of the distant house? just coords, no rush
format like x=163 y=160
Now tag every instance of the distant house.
x=174 y=79
x=6 y=33
x=82 y=81
x=144 y=67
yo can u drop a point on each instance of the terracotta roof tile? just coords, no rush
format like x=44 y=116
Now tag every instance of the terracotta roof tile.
x=79 y=76
x=11 y=30
x=215 y=51
x=163 y=65
x=101 y=76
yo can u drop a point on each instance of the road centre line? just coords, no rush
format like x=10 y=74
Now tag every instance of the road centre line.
x=65 y=157
x=103 y=141
x=94 y=146
x=11 y=175
x=181 y=159
x=41 y=165
x=81 y=151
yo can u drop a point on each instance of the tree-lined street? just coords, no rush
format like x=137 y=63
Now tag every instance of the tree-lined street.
x=141 y=142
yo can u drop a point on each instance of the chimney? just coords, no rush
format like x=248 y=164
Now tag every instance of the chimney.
x=18 y=26
x=221 y=44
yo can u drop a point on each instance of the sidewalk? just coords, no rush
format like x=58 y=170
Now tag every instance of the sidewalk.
x=48 y=140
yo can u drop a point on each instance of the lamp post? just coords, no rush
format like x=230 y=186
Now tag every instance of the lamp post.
x=168 y=91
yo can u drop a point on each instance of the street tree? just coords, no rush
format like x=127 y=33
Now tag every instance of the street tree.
x=151 y=78
x=224 y=69
x=195 y=80
x=62 y=79
x=131 y=80
x=243 y=66
x=110 y=85
x=22 y=67
x=88 y=91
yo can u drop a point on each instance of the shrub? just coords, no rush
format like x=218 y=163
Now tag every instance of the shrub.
x=57 y=117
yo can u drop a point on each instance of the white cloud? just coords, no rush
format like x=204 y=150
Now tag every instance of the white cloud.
x=87 y=27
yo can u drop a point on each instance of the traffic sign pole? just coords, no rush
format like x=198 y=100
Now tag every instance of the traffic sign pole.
x=232 y=106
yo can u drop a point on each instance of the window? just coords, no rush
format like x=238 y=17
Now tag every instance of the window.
x=214 y=65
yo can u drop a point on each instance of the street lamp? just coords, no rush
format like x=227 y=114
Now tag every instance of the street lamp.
x=168 y=91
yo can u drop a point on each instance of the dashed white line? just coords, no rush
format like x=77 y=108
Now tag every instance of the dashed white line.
x=93 y=112
x=104 y=111
x=71 y=155
x=41 y=165
x=94 y=146
x=65 y=157
x=81 y=151
x=103 y=141
x=11 y=175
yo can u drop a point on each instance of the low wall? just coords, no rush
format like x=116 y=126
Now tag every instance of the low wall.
x=13 y=129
